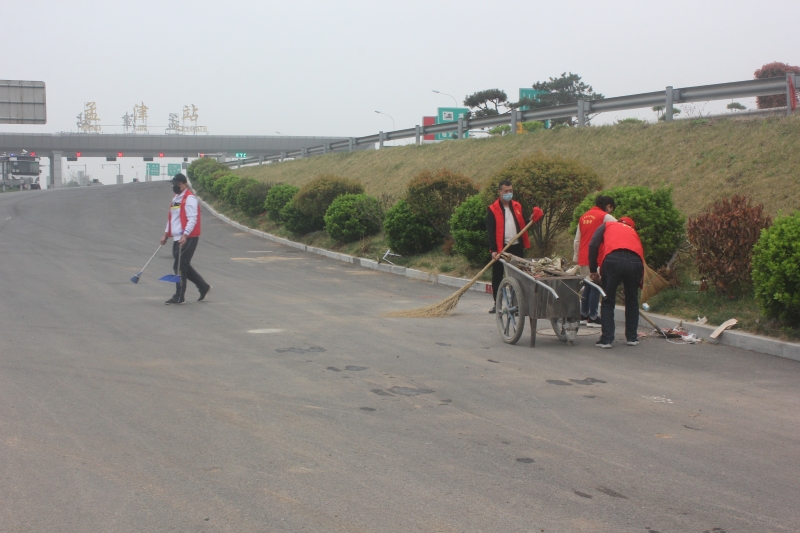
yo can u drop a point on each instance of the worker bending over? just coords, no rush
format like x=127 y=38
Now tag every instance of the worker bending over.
x=587 y=225
x=617 y=250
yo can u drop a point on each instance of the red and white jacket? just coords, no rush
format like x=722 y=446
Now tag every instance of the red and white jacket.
x=184 y=216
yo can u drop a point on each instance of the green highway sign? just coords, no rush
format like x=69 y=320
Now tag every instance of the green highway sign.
x=173 y=168
x=241 y=155
x=153 y=169
x=529 y=94
x=450 y=114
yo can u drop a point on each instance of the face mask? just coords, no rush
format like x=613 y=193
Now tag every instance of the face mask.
x=508 y=196
x=176 y=188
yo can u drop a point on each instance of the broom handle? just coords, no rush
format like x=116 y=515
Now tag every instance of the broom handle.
x=493 y=261
x=151 y=258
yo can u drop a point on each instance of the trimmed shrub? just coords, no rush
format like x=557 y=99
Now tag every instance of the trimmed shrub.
x=315 y=197
x=658 y=223
x=407 y=233
x=231 y=189
x=555 y=184
x=208 y=180
x=296 y=221
x=221 y=183
x=776 y=269
x=277 y=198
x=468 y=226
x=724 y=236
x=250 y=199
x=434 y=196
x=345 y=220
x=200 y=169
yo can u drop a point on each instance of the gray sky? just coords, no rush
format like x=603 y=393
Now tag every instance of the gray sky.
x=323 y=67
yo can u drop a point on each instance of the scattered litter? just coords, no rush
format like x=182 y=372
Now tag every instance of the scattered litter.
x=696 y=283
x=702 y=320
x=658 y=399
x=725 y=325
x=691 y=338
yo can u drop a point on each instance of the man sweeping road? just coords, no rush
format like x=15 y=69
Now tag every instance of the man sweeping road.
x=183 y=225
x=504 y=221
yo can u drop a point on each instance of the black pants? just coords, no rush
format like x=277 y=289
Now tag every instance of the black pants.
x=185 y=268
x=498 y=272
x=626 y=268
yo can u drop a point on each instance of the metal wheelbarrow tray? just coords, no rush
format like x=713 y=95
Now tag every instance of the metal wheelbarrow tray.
x=556 y=298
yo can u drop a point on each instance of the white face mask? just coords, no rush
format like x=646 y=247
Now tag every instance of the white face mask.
x=508 y=196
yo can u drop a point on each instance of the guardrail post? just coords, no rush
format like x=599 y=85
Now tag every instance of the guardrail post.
x=261 y=160
x=283 y=156
x=460 y=127
x=514 y=121
x=668 y=108
x=380 y=140
x=350 y=143
x=581 y=114
x=325 y=148
x=417 y=136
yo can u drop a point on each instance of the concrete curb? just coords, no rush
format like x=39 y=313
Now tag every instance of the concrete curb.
x=736 y=339
x=441 y=279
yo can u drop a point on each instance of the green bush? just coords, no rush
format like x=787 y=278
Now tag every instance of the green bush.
x=659 y=224
x=555 y=184
x=297 y=221
x=433 y=196
x=407 y=233
x=250 y=199
x=277 y=198
x=231 y=189
x=199 y=170
x=468 y=227
x=315 y=197
x=220 y=183
x=347 y=217
x=776 y=269
x=207 y=181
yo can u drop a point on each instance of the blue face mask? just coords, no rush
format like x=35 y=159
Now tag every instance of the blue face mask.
x=508 y=196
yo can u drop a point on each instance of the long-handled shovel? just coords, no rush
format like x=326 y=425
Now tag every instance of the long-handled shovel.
x=446 y=306
x=174 y=278
x=135 y=279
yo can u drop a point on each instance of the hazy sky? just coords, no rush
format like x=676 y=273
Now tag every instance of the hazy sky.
x=324 y=67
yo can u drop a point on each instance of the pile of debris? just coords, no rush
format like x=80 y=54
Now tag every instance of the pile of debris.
x=544 y=267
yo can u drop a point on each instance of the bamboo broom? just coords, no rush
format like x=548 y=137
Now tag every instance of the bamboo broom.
x=446 y=306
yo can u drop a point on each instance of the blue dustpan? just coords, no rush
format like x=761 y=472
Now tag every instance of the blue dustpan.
x=171 y=278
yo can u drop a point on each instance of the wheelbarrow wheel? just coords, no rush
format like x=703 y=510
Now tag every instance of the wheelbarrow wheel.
x=510 y=318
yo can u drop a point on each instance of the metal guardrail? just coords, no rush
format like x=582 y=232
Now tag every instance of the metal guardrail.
x=668 y=98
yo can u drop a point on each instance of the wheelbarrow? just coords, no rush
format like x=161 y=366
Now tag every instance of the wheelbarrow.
x=557 y=298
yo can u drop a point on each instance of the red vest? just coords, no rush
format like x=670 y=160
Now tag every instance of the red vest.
x=619 y=236
x=196 y=230
x=588 y=224
x=500 y=223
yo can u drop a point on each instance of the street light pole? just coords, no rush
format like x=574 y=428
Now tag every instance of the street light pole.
x=118 y=165
x=450 y=95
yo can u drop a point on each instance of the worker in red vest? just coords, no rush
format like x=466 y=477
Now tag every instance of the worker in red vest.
x=587 y=225
x=504 y=221
x=617 y=250
x=183 y=225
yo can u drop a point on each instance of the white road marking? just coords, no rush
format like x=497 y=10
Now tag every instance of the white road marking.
x=658 y=399
x=267 y=330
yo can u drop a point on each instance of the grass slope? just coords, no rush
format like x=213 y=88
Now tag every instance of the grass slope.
x=703 y=160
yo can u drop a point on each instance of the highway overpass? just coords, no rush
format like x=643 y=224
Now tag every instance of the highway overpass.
x=59 y=145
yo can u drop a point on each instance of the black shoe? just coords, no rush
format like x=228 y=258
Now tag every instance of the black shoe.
x=175 y=301
x=492 y=310
x=203 y=293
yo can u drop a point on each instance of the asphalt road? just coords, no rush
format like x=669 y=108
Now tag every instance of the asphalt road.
x=287 y=403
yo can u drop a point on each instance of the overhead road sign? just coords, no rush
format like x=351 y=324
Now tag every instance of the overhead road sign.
x=22 y=102
x=173 y=168
x=153 y=169
x=450 y=114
